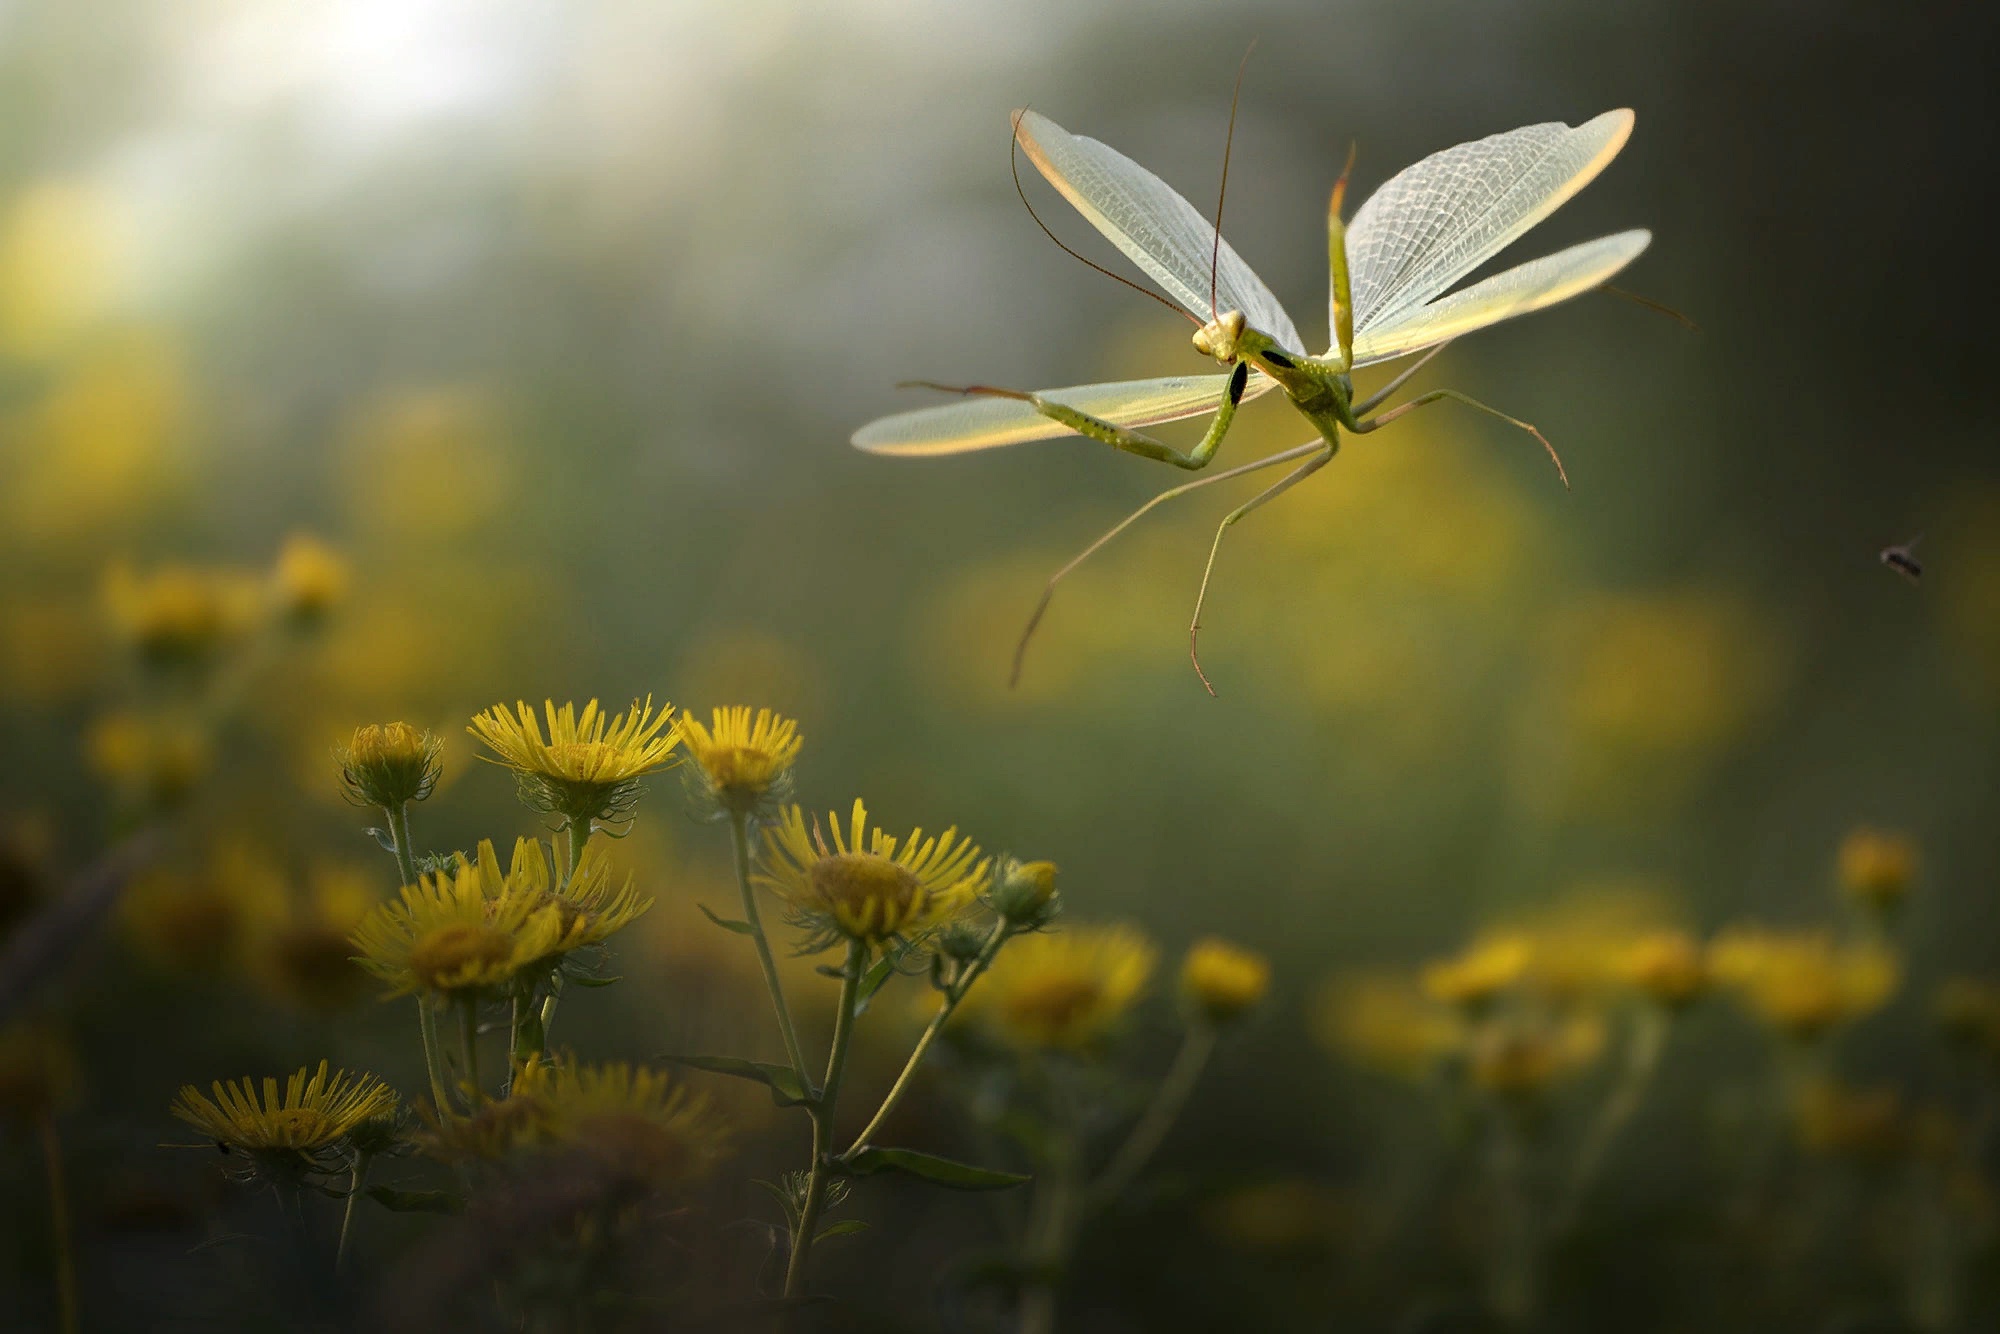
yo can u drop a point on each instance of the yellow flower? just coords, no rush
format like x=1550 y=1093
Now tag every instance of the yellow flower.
x=1063 y=990
x=389 y=765
x=471 y=929
x=1666 y=967
x=1472 y=979
x=1222 y=980
x=1801 y=983
x=202 y=923
x=304 y=958
x=590 y=766
x=177 y=615
x=153 y=762
x=631 y=1119
x=1520 y=1059
x=591 y=904
x=1386 y=1022
x=1876 y=868
x=865 y=885
x=316 y=1111
x=745 y=761
x=309 y=579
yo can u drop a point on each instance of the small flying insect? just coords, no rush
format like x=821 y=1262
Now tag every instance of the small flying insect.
x=1903 y=560
x=1392 y=267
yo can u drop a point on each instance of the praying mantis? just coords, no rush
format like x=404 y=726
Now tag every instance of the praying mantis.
x=1392 y=267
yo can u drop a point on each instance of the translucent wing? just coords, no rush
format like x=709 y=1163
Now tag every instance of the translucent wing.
x=984 y=422
x=1438 y=220
x=1160 y=231
x=1519 y=290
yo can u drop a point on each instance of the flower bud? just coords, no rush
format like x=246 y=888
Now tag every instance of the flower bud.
x=389 y=765
x=1024 y=893
x=1876 y=868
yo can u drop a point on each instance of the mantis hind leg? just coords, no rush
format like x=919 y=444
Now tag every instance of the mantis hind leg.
x=1403 y=409
x=1049 y=590
x=1322 y=451
x=1120 y=437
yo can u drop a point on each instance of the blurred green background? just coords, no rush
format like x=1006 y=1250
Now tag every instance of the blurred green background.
x=554 y=321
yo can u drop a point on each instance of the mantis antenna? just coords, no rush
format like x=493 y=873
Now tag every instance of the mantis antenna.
x=1228 y=142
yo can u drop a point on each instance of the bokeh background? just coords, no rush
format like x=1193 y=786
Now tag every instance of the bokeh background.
x=552 y=322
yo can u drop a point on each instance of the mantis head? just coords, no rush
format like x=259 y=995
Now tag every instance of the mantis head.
x=1221 y=337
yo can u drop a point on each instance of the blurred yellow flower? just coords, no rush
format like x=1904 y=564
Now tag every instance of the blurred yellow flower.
x=50 y=647
x=471 y=929
x=179 y=615
x=309 y=579
x=152 y=761
x=389 y=765
x=1472 y=979
x=1063 y=990
x=409 y=451
x=101 y=447
x=1385 y=1022
x=1666 y=967
x=633 y=1120
x=305 y=958
x=864 y=884
x=204 y=923
x=316 y=1111
x=1876 y=868
x=1800 y=982
x=1519 y=1057
x=590 y=766
x=745 y=760
x=1221 y=980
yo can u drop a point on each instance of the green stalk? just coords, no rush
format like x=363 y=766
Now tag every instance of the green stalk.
x=952 y=997
x=356 y=1175
x=822 y=1119
x=1051 y=1234
x=427 y=1030
x=1642 y=1058
x=739 y=830
x=1151 y=1131
x=468 y=1037
x=59 y=1225
x=579 y=835
x=399 y=833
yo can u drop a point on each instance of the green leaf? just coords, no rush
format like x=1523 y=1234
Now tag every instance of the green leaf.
x=782 y=1080
x=878 y=973
x=938 y=1171
x=727 y=923
x=416 y=1201
x=846 y=1227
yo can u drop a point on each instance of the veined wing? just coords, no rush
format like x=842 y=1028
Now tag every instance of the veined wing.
x=1438 y=220
x=1157 y=229
x=985 y=422
x=1518 y=291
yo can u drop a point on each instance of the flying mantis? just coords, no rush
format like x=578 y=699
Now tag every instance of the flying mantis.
x=1392 y=270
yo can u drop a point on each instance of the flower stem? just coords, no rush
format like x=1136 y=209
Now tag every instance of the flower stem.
x=579 y=835
x=356 y=1175
x=399 y=834
x=950 y=1003
x=66 y=1298
x=1642 y=1058
x=468 y=1038
x=739 y=831
x=1160 y=1115
x=822 y=1119
x=427 y=1030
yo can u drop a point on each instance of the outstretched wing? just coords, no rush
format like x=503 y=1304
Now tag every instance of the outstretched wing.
x=1519 y=290
x=985 y=422
x=1157 y=229
x=1438 y=220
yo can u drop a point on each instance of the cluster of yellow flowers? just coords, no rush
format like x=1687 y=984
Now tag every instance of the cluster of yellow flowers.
x=497 y=945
